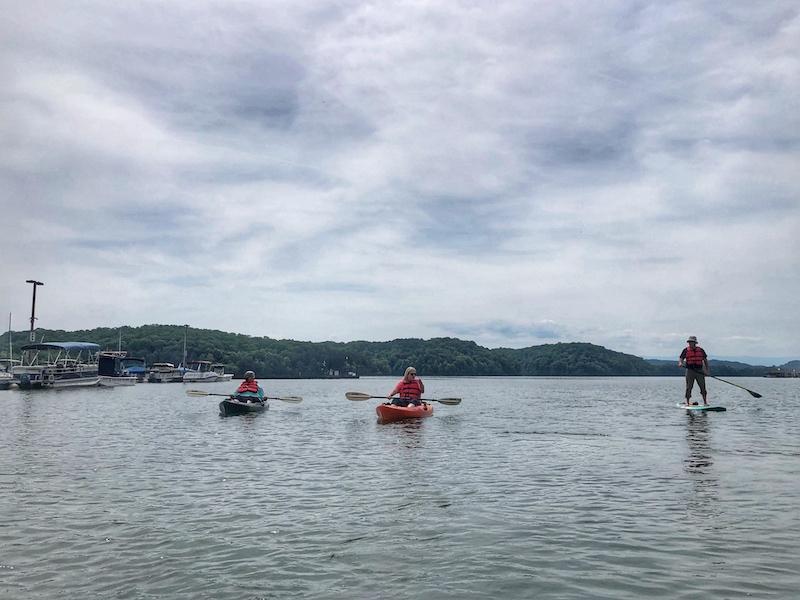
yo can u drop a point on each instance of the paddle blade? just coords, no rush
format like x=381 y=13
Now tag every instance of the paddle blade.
x=751 y=392
x=291 y=399
x=197 y=393
x=357 y=396
x=449 y=401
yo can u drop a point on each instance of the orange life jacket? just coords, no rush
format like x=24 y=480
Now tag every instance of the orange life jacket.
x=409 y=389
x=694 y=358
x=248 y=386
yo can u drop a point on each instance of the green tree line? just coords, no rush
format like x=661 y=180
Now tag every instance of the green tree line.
x=272 y=358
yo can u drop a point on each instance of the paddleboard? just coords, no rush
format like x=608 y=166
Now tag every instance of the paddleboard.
x=701 y=407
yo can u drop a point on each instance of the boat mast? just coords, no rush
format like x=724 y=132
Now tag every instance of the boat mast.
x=185 y=333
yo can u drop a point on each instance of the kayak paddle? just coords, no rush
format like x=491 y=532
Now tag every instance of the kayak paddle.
x=361 y=396
x=198 y=393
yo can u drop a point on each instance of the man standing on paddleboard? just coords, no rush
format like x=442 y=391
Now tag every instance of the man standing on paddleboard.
x=695 y=358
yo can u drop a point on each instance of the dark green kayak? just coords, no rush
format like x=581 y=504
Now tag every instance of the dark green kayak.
x=240 y=407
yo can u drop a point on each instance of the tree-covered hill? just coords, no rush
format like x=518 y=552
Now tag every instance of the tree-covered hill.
x=579 y=359
x=272 y=358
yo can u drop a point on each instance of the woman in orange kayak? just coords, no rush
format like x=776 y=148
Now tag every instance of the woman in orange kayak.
x=409 y=389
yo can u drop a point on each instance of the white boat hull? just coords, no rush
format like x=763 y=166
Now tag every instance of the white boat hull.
x=164 y=373
x=72 y=383
x=198 y=371
x=195 y=377
x=108 y=381
x=6 y=379
x=219 y=369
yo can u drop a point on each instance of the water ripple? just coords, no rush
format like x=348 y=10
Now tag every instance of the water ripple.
x=546 y=488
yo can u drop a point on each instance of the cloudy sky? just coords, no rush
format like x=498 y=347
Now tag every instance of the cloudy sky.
x=514 y=173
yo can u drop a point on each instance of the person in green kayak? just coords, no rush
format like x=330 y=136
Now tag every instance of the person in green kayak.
x=249 y=390
x=694 y=358
x=409 y=390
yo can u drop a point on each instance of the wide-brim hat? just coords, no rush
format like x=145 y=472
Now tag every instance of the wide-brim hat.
x=692 y=338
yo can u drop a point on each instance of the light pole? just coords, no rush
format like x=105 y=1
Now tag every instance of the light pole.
x=33 y=307
x=185 y=334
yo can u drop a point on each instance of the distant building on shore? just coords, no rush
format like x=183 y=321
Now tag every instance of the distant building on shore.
x=778 y=372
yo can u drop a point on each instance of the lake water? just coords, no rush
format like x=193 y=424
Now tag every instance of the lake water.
x=531 y=488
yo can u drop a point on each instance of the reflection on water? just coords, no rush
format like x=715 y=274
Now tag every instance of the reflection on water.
x=699 y=460
x=407 y=433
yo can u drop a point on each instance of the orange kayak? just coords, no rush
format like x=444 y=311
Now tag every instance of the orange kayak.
x=392 y=412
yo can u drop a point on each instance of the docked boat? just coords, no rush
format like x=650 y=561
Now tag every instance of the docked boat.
x=164 y=373
x=392 y=412
x=219 y=369
x=6 y=378
x=116 y=368
x=240 y=406
x=134 y=367
x=198 y=371
x=57 y=365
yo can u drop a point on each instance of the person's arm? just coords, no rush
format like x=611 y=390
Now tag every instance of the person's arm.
x=394 y=391
x=705 y=362
x=681 y=357
x=421 y=386
x=260 y=393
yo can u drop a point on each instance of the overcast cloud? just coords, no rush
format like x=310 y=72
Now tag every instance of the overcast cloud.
x=624 y=173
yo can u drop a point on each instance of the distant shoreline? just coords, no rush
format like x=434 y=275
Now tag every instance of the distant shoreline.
x=753 y=361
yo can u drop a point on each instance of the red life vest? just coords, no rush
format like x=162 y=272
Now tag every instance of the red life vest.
x=248 y=386
x=694 y=358
x=409 y=389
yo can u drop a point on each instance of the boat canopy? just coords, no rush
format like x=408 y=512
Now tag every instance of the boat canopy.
x=68 y=346
x=130 y=359
x=133 y=365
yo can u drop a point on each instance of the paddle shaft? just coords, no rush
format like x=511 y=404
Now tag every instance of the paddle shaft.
x=405 y=398
x=199 y=393
x=234 y=395
x=751 y=392
x=362 y=396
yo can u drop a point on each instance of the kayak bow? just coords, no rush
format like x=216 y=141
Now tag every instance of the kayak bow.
x=392 y=412
x=233 y=406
